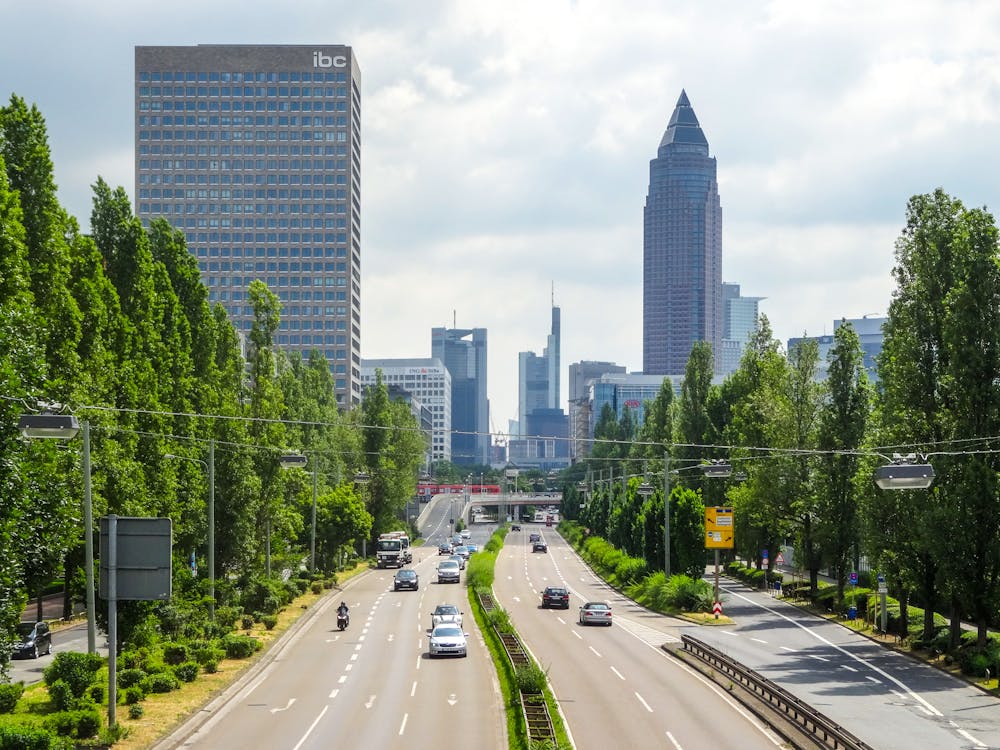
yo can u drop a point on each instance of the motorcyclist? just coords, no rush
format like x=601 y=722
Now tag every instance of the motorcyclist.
x=343 y=610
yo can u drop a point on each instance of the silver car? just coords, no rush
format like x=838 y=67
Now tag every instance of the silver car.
x=460 y=560
x=448 y=571
x=598 y=613
x=446 y=614
x=448 y=640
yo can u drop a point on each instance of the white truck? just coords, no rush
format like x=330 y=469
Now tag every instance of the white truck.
x=392 y=550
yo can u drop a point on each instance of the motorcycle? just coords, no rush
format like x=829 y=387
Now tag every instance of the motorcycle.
x=342 y=620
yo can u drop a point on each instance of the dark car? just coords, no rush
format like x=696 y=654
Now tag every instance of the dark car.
x=534 y=537
x=444 y=548
x=515 y=527
x=555 y=596
x=539 y=546
x=406 y=579
x=32 y=640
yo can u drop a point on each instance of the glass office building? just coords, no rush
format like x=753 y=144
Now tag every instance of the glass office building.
x=254 y=152
x=682 y=248
x=463 y=351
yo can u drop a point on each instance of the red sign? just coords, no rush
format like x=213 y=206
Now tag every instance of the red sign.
x=717 y=608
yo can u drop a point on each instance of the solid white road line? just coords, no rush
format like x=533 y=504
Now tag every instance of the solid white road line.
x=311 y=727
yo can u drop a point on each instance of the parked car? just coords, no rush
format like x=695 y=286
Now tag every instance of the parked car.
x=555 y=596
x=539 y=546
x=406 y=578
x=444 y=548
x=595 y=612
x=460 y=560
x=32 y=640
x=446 y=614
x=448 y=640
x=448 y=571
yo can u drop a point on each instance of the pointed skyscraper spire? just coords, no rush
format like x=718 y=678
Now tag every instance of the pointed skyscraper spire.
x=683 y=126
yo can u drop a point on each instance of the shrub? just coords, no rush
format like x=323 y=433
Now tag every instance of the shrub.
x=78 y=724
x=129 y=677
x=240 y=646
x=25 y=738
x=61 y=695
x=132 y=659
x=209 y=653
x=317 y=587
x=629 y=570
x=160 y=683
x=9 y=696
x=329 y=583
x=133 y=695
x=500 y=620
x=96 y=692
x=227 y=616
x=247 y=622
x=175 y=653
x=530 y=678
x=76 y=669
x=270 y=621
x=479 y=571
x=186 y=672
x=211 y=666
x=267 y=595
x=135 y=711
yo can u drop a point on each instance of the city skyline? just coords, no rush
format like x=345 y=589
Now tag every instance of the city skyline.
x=489 y=169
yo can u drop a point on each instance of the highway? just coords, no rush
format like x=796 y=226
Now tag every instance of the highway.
x=373 y=685
x=887 y=699
x=615 y=686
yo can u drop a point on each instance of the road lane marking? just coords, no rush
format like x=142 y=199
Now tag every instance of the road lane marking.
x=452 y=699
x=577 y=634
x=790 y=650
x=759 y=641
x=371 y=702
x=676 y=743
x=818 y=658
x=402 y=727
x=594 y=650
x=620 y=675
x=311 y=727
x=348 y=667
x=970 y=738
x=342 y=680
x=354 y=656
x=333 y=693
x=413 y=690
x=419 y=659
x=357 y=647
x=285 y=708
x=848 y=667
x=730 y=632
x=560 y=619
x=876 y=680
x=644 y=703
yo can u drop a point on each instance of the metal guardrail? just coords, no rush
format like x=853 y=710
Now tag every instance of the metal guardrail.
x=534 y=709
x=808 y=719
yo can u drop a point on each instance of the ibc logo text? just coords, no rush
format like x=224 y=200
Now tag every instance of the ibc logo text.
x=321 y=60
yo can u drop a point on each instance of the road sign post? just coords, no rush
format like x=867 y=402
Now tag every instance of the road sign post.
x=718 y=535
x=882 y=591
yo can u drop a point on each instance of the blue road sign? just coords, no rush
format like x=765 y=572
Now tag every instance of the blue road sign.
x=854 y=578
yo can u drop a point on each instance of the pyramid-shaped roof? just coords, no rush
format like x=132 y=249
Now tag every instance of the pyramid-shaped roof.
x=684 y=126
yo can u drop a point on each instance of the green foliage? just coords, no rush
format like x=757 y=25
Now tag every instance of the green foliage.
x=77 y=724
x=530 y=678
x=186 y=672
x=269 y=621
x=266 y=595
x=61 y=695
x=97 y=692
x=27 y=738
x=680 y=594
x=10 y=694
x=162 y=682
x=208 y=653
x=499 y=619
x=479 y=570
x=76 y=669
x=175 y=653
x=129 y=677
x=136 y=711
x=240 y=646
x=133 y=694
x=317 y=587
x=211 y=666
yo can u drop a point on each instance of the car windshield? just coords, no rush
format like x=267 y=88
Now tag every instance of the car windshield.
x=446 y=609
x=448 y=564
x=593 y=605
x=405 y=574
x=25 y=629
x=447 y=632
x=554 y=590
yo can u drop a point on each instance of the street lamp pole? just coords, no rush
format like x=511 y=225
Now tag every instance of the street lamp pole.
x=666 y=513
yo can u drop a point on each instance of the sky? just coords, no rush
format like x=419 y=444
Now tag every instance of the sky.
x=506 y=145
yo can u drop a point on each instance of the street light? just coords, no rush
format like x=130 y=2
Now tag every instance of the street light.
x=717 y=468
x=362 y=478
x=210 y=468
x=298 y=461
x=63 y=427
x=904 y=474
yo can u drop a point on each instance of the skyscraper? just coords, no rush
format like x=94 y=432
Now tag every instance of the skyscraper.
x=254 y=152
x=463 y=352
x=538 y=377
x=682 y=248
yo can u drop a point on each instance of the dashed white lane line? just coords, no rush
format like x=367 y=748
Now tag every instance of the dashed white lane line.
x=848 y=667
x=758 y=640
x=643 y=702
x=676 y=743
x=413 y=690
x=970 y=738
x=311 y=727
x=818 y=658
x=785 y=648
x=342 y=680
x=876 y=680
x=620 y=675
x=577 y=634
x=333 y=693
x=596 y=652
x=402 y=727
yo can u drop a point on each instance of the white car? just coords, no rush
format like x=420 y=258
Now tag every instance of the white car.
x=466 y=534
x=448 y=640
x=446 y=614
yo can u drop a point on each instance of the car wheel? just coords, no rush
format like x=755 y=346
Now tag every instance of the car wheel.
x=48 y=649
x=34 y=652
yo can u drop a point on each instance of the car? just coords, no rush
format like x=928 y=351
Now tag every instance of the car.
x=539 y=546
x=534 y=536
x=32 y=639
x=472 y=548
x=448 y=640
x=444 y=548
x=460 y=560
x=456 y=540
x=555 y=596
x=462 y=550
x=595 y=612
x=448 y=571
x=515 y=527
x=406 y=579
x=466 y=534
x=446 y=614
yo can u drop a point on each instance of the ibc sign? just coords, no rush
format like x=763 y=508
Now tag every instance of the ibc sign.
x=322 y=60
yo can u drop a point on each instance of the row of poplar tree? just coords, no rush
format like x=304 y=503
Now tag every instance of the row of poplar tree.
x=116 y=326
x=803 y=451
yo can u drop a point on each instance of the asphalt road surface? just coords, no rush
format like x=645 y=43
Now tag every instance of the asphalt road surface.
x=68 y=639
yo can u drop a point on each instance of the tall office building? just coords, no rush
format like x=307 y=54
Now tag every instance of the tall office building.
x=463 y=352
x=581 y=375
x=254 y=152
x=682 y=248
x=538 y=378
x=740 y=316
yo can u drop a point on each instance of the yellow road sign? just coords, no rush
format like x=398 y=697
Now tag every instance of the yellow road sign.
x=718 y=528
